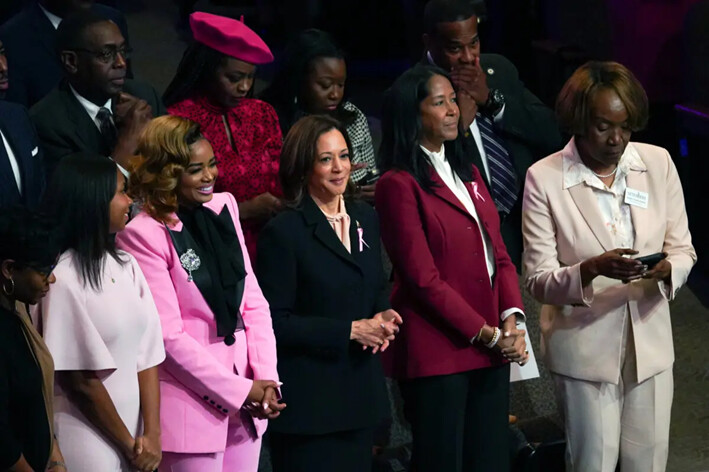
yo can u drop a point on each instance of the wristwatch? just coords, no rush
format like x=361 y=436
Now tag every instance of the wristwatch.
x=495 y=102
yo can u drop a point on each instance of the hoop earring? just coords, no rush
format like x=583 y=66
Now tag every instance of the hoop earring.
x=12 y=288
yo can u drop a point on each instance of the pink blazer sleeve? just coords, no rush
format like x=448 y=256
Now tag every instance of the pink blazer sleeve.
x=187 y=360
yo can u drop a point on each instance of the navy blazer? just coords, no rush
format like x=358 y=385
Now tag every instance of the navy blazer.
x=316 y=289
x=17 y=128
x=32 y=59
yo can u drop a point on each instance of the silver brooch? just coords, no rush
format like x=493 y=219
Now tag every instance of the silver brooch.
x=190 y=261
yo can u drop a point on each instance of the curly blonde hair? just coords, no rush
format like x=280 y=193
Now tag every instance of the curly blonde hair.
x=163 y=154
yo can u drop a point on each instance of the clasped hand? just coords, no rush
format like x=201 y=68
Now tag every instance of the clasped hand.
x=147 y=453
x=376 y=332
x=613 y=264
x=262 y=401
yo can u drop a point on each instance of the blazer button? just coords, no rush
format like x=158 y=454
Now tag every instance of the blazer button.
x=225 y=410
x=219 y=407
x=470 y=227
x=211 y=402
x=205 y=397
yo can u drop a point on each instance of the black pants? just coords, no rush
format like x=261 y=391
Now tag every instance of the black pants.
x=348 y=451
x=459 y=421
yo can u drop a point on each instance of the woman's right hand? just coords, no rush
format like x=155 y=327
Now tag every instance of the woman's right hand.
x=369 y=332
x=613 y=265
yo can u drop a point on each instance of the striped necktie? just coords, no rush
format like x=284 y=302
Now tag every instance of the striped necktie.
x=503 y=180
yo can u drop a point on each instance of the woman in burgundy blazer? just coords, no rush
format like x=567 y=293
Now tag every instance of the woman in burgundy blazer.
x=454 y=283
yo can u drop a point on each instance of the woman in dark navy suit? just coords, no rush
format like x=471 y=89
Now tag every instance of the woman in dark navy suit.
x=320 y=269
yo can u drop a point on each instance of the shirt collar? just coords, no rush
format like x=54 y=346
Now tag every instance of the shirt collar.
x=439 y=156
x=576 y=172
x=53 y=19
x=429 y=58
x=91 y=108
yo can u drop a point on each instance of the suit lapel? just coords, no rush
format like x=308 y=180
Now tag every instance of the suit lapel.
x=325 y=234
x=637 y=180
x=7 y=176
x=442 y=191
x=85 y=128
x=587 y=204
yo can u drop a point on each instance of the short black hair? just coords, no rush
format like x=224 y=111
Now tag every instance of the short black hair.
x=28 y=237
x=446 y=11
x=79 y=197
x=70 y=34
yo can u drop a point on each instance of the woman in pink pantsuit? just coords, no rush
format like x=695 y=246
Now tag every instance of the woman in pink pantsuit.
x=219 y=383
x=101 y=326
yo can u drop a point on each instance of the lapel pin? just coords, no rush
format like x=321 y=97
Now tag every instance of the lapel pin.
x=360 y=233
x=490 y=70
x=190 y=262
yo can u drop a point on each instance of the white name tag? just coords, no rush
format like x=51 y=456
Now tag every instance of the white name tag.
x=636 y=197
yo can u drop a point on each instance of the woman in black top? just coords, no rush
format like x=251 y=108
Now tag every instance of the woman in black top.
x=29 y=249
x=320 y=268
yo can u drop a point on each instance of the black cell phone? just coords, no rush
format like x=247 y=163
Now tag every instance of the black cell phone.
x=651 y=260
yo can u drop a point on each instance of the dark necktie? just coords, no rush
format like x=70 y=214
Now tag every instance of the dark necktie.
x=503 y=180
x=108 y=129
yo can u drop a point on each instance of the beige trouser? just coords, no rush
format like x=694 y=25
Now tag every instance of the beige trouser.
x=605 y=421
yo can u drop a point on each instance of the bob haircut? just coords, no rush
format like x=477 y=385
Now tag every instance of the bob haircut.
x=163 y=154
x=300 y=149
x=573 y=105
x=284 y=92
x=197 y=68
x=29 y=238
x=402 y=129
x=79 y=197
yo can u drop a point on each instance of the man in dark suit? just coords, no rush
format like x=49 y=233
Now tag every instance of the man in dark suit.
x=30 y=39
x=505 y=127
x=95 y=108
x=21 y=178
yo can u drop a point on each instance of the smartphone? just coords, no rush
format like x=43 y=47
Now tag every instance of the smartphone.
x=651 y=260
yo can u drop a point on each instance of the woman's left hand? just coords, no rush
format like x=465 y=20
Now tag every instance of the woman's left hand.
x=269 y=408
x=147 y=452
x=661 y=271
x=513 y=346
x=389 y=320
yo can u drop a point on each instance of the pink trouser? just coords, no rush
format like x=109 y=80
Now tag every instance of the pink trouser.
x=241 y=455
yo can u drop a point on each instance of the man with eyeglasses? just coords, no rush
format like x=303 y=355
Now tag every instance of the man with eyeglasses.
x=21 y=176
x=30 y=40
x=95 y=108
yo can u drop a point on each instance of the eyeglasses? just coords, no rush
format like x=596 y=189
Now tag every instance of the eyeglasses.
x=109 y=55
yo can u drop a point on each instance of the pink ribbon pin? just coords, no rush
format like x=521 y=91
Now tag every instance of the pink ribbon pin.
x=475 y=191
x=362 y=242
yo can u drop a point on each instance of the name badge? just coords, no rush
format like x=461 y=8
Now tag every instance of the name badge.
x=636 y=197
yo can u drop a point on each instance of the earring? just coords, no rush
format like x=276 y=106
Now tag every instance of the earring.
x=12 y=288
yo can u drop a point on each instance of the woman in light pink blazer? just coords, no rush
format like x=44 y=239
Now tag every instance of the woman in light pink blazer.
x=588 y=212
x=219 y=383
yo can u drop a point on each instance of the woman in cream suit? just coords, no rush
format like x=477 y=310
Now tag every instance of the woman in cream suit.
x=589 y=210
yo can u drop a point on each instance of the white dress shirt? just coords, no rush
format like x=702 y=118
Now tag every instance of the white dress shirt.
x=453 y=182
x=614 y=211
x=13 y=162
x=53 y=19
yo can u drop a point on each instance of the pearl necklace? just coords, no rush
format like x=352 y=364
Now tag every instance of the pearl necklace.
x=607 y=175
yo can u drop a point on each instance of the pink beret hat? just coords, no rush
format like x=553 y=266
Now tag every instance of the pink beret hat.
x=230 y=37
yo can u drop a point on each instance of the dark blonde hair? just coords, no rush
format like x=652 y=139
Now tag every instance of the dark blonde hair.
x=163 y=154
x=573 y=105
x=300 y=149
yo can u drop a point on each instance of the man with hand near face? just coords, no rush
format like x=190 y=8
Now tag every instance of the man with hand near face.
x=505 y=128
x=95 y=108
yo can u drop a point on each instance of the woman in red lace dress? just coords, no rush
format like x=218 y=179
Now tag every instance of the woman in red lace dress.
x=213 y=87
